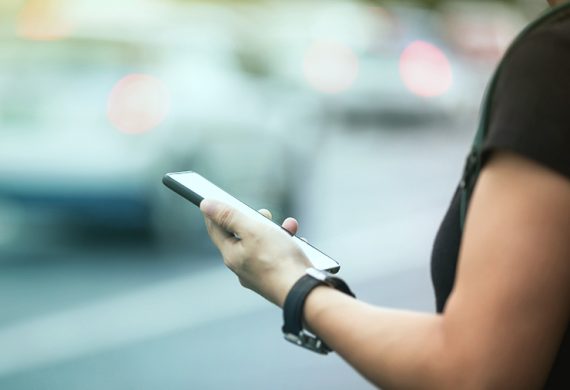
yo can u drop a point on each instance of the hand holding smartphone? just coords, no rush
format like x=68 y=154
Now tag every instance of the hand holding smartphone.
x=195 y=188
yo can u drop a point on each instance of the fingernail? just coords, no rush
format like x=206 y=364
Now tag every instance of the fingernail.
x=208 y=207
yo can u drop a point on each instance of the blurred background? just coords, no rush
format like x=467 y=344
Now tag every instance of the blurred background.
x=352 y=116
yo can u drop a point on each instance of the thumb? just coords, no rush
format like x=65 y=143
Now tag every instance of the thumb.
x=224 y=215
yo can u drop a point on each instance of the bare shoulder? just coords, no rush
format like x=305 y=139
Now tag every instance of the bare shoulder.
x=511 y=303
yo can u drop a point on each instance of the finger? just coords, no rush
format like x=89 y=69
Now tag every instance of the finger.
x=291 y=225
x=221 y=238
x=226 y=242
x=266 y=213
x=226 y=217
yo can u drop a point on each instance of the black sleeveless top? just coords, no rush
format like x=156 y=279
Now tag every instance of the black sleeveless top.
x=530 y=116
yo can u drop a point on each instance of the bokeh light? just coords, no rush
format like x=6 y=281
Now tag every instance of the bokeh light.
x=138 y=103
x=425 y=69
x=43 y=20
x=330 y=67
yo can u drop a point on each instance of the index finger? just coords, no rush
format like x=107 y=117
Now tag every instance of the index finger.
x=221 y=238
x=228 y=218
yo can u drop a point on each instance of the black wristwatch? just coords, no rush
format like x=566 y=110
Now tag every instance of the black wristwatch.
x=293 y=329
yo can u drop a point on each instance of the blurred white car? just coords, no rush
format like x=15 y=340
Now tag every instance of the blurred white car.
x=391 y=63
x=65 y=158
x=406 y=71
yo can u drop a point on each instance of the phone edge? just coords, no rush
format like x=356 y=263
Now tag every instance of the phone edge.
x=181 y=190
x=196 y=199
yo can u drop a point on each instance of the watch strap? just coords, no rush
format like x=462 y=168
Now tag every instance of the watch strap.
x=293 y=308
x=295 y=302
x=331 y=280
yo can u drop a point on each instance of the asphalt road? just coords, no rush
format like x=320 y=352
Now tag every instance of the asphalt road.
x=95 y=316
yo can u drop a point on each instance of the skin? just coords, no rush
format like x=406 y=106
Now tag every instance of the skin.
x=504 y=320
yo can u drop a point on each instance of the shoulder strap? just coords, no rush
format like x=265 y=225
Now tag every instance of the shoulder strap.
x=473 y=162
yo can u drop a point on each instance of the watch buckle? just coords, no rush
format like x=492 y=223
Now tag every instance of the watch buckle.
x=309 y=341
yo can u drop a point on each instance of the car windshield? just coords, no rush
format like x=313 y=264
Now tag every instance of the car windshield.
x=62 y=82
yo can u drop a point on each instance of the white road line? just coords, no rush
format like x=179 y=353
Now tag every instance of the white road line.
x=171 y=306
x=188 y=302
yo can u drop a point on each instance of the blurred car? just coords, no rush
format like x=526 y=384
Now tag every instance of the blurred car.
x=390 y=63
x=406 y=69
x=58 y=150
x=65 y=160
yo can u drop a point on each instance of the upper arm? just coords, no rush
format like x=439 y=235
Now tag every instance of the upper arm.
x=510 y=306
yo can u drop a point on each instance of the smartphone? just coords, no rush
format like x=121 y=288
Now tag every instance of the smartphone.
x=195 y=188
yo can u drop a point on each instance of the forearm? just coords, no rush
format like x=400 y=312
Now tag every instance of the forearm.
x=392 y=348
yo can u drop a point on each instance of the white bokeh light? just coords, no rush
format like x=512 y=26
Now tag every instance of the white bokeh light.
x=330 y=67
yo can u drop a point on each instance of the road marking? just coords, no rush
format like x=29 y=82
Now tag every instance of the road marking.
x=191 y=301
x=170 y=306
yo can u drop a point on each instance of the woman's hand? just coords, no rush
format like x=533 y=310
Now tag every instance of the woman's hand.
x=265 y=260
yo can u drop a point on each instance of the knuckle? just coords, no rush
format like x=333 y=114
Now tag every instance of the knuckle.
x=226 y=217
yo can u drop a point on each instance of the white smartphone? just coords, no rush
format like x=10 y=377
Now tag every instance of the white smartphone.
x=195 y=188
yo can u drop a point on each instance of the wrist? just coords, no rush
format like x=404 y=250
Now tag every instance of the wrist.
x=287 y=276
x=288 y=280
x=294 y=326
x=316 y=302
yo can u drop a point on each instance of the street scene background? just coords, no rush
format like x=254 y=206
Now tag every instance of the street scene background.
x=352 y=116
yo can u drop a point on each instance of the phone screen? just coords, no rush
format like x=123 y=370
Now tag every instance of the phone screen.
x=195 y=188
